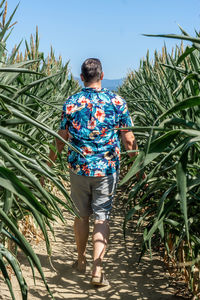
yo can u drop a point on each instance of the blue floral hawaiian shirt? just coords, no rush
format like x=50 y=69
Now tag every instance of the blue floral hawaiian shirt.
x=92 y=116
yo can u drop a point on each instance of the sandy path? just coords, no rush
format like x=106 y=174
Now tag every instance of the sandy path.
x=128 y=280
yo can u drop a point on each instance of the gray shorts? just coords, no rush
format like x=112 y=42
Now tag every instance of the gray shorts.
x=93 y=194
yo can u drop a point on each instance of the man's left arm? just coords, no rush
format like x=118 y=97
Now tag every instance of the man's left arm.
x=59 y=146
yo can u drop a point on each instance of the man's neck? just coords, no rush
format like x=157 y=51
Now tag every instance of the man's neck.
x=93 y=85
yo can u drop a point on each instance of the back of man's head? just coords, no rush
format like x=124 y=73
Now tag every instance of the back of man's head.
x=91 y=70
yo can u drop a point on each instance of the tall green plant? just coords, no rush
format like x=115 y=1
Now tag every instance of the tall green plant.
x=164 y=99
x=32 y=91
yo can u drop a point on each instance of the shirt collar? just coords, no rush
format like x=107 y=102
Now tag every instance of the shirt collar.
x=89 y=89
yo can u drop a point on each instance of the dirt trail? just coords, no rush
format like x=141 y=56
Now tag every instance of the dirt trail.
x=128 y=280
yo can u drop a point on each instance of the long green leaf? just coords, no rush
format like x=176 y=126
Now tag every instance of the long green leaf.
x=32 y=84
x=25 y=246
x=8 y=201
x=182 y=188
x=38 y=124
x=15 y=137
x=10 y=182
x=174 y=36
x=187 y=52
x=5 y=152
x=19 y=70
x=5 y=28
x=6 y=276
x=15 y=266
x=187 y=103
x=156 y=149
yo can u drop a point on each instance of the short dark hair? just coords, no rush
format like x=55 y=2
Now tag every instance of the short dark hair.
x=91 y=70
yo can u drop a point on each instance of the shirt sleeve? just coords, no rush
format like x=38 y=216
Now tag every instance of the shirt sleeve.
x=125 y=119
x=64 y=120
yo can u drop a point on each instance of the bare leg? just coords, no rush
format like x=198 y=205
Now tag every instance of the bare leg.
x=100 y=240
x=81 y=231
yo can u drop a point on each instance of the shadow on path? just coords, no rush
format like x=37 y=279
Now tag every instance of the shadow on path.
x=128 y=279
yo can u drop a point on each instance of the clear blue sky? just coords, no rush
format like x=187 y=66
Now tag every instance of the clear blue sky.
x=108 y=29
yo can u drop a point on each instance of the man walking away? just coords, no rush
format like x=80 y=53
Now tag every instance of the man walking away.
x=89 y=122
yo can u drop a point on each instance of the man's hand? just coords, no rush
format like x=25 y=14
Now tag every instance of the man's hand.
x=42 y=180
x=129 y=141
x=143 y=177
x=59 y=146
x=138 y=176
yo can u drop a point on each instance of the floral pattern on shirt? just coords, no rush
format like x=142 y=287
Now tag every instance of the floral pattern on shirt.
x=91 y=117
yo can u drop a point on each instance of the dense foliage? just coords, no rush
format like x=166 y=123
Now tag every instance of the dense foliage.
x=164 y=100
x=32 y=92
